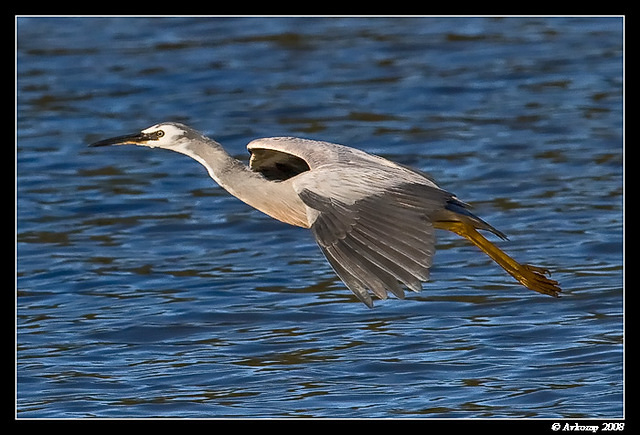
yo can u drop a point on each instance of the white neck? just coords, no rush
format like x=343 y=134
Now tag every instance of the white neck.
x=276 y=199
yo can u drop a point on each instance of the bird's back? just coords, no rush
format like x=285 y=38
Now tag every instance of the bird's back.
x=316 y=154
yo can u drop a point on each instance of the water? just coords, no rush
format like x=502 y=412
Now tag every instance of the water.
x=144 y=290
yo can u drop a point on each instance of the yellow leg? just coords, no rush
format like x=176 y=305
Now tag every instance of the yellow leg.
x=529 y=276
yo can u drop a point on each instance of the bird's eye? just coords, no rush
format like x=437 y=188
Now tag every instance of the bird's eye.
x=159 y=134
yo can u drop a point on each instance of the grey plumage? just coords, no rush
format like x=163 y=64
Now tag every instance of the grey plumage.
x=373 y=219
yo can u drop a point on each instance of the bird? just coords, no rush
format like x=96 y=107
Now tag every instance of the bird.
x=373 y=219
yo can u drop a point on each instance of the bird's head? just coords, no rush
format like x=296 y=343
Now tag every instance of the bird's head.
x=168 y=135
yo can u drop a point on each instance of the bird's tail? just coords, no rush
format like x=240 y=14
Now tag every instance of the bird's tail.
x=532 y=277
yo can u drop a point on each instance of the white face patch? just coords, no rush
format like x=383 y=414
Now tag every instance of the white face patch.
x=170 y=138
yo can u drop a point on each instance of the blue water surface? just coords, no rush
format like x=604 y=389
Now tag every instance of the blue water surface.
x=145 y=290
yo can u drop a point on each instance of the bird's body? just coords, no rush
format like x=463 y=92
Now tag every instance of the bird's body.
x=373 y=219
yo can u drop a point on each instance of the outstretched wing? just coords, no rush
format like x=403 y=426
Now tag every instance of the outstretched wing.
x=373 y=225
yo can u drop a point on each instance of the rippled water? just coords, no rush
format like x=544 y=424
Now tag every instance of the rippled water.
x=144 y=290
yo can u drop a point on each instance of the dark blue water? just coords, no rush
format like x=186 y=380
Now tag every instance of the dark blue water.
x=144 y=290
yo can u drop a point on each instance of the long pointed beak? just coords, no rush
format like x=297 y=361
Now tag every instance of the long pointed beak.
x=131 y=139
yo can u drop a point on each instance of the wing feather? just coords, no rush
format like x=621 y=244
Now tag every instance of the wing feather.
x=372 y=218
x=377 y=233
x=379 y=259
x=415 y=244
x=390 y=256
x=344 y=269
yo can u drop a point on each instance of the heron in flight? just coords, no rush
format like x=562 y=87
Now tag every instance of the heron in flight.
x=373 y=219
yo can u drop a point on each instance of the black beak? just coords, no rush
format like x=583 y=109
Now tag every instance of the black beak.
x=132 y=139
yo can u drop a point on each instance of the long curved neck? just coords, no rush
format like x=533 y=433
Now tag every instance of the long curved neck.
x=276 y=199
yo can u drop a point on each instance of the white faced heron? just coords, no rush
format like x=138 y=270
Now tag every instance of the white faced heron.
x=373 y=219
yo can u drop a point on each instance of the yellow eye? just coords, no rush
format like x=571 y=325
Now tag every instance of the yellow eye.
x=159 y=134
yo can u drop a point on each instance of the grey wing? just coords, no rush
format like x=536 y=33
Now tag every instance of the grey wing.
x=378 y=242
